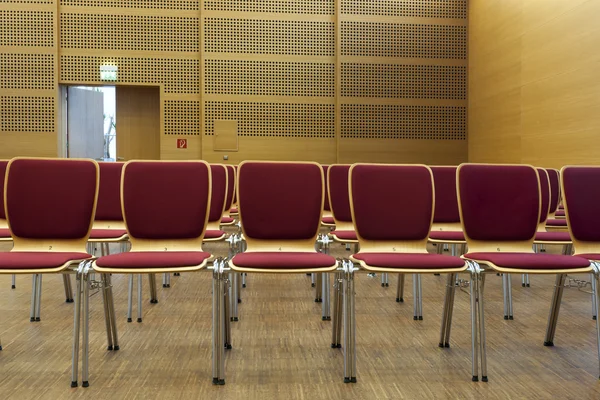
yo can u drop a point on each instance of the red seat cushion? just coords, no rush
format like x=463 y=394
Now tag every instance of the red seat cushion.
x=283 y=260
x=153 y=259
x=38 y=260
x=531 y=261
x=107 y=233
x=214 y=234
x=328 y=220
x=345 y=235
x=233 y=210
x=227 y=220
x=5 y=233
x=410 y=260
x=560 y=213
x=553 y=236
x=455 y=236
x=556 y=222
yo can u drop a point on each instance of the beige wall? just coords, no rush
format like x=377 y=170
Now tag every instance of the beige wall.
x=324 y=80
x=534 y=81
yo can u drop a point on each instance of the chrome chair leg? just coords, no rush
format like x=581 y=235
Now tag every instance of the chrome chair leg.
x=474 y=325
x=312 y=279
x=385 y=282
x=400 y=289
x=336 y=342
x=235 y=294
x=507 y=290
x=153 y=292
x=326 y=308
x=107 y=320
x=418 y=301
x=33 y=297
x=68 y=288
x=139 y=297
x=13 y=281
x=111 y=308
x=227 y=315
x=349 y=327
x=480 y=315
x=559 y=288
x=166 y=280
x=596 y=300
x=509 y=293
x=85 y=347
x=447 y=313
x=38 y=299
x=594 y=305
x=130 y=299
x=244 y=275
x=319 y=288
x=76 y=326
x=218 y=317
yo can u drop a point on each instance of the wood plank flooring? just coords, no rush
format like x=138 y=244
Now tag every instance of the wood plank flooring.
x=281 y=348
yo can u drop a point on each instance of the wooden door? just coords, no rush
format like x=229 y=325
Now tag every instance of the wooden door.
x=85 y=123
x=138 y=123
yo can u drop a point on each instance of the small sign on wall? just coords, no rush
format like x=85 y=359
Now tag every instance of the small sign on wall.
x=182 y=143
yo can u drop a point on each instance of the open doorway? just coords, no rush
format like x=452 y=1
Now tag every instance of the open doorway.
x=91 y=122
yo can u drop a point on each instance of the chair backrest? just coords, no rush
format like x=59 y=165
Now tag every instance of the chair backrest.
x=166 y=204
x=499 y=204
x=326 y=206
x=3 y=165
x=544 y=197
x=235 y=200
x=231 y=175
x=554 y=176
x=405 y=192
x=446 y=203
x=109 y=194
x=280 y=202
x=339 y=195
x=51 y=202
x=580 y=189
x=218 y=196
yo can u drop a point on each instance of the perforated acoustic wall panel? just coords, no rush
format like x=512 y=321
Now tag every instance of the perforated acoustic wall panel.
x=28 y=78
x=152 y=42
x=270 y=66
x=403 y=81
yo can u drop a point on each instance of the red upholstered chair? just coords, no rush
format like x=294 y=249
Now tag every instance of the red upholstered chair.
x=165 y=207
x=337 y=184
x=553 y=223
x=50 y=206
x=277 y=241
x=218 y=202
x=394 y=242
x=500 y=213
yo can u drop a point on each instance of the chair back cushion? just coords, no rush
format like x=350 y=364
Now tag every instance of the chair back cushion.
x=109 y=194
x=581 y=188
x=3 y=165
x=554 y=177
x=326 y=205
x=231 y=175
x=51 y=198
x=499 y=202
x=218 y=192
x=166 y=199
x=280 y=200
x=544 y=194
x=392 y=202
x=339 y=195
x=446 y=203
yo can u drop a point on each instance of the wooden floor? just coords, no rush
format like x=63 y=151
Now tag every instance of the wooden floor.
x=281 y=348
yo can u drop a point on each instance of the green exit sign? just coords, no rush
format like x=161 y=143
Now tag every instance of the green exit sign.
x=108 y=72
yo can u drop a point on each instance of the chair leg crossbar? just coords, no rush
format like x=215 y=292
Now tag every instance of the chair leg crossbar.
x=82 y=295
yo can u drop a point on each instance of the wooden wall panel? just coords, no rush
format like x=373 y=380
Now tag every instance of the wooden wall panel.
x=533 y=96
x=28 y=78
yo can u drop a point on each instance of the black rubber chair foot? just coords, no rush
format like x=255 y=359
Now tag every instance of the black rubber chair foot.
x=484 y=379
x=228 y=346
x=308 y=274
x=239 y=300
x=594 y=318
x=475 y=379
x=243 y=285
x=69 y=301
x=326 y=318
x=441 y=345
x=85 y=384
x=109 y=348
x=139 y=320
x=350 y=380
x=312 y=285
x=235 y=319
x=318 y=300
x=217 y=381
x=549 y=344
x=436 y=274
x=420 y=318
x=506 y=317
x=177 y=274
x=0 y=348
x=116 y=348
x=522 y=285
x=31 y=319
x=447 y=345
x=336 y=346
x=383 y=285
x=511 y=318
x=154 y=301
x=74 y=384
x=416 y=318
x=37 y=319
x=399 y=299
x=165 y=285
x=528 y=285
x=13 y=287
x=128 y=319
